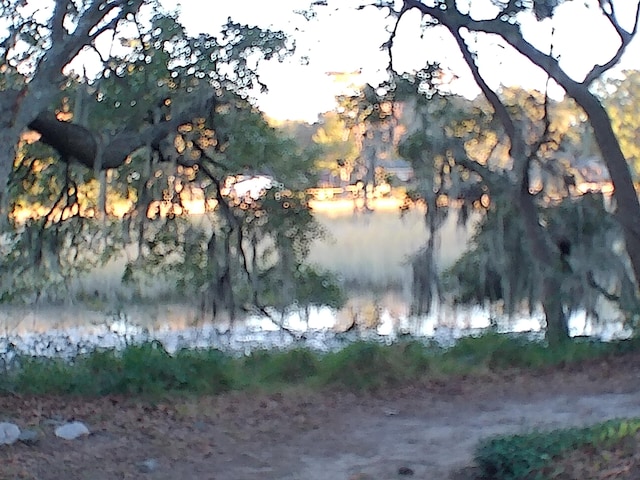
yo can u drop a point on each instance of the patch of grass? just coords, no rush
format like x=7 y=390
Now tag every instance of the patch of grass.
x=496 y=351
x=528 y=457
x=148 y=369
x=289 y=367
x=145 y=369
x=367 y=365
x=40 y=376
x=615 y=460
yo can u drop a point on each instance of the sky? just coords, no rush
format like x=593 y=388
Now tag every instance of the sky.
x=341 y=39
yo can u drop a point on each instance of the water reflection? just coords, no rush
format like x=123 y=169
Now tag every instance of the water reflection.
x=69 y=332
x=369 y=251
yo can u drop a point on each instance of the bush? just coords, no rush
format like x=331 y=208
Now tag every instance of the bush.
x=206 y=371
x=416 y=357
x=149 y=369
x=39 y=376
x=520 y=457
x=499 y=351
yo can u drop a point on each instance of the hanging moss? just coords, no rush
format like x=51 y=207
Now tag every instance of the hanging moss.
x=498 y=267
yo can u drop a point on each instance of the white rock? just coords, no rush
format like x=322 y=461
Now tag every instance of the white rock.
x=148 y=465
x=9 y=433
x=70 y=431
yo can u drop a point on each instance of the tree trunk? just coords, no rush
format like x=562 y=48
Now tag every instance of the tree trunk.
x=557 y=331
x=627 y=204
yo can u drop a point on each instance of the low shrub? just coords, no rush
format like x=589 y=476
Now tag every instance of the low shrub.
x=522 y=457
x=497 y=351
x=361 y=365
x=39 y=376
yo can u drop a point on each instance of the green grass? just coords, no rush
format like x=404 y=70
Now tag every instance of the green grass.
x=145 y=369
x=275 y=369
x=148 y=369
x=366 y=365
x=372 y=251
x=495 y=351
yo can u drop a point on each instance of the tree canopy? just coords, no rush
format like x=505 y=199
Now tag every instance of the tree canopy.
x=165 y=128
x=527 y=143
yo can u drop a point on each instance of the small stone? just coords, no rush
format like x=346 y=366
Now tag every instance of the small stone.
x=72 y=430
x=149 y=465
x=29 y=437
x=405 y=471
x=9 y=433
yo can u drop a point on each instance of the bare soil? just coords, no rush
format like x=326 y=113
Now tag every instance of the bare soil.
x=421 y=431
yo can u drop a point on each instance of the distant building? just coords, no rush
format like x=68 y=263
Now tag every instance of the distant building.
x=591 y=175
x=397 y=167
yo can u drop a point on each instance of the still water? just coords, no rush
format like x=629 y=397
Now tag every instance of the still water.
x=382 y=319
x=370 y=251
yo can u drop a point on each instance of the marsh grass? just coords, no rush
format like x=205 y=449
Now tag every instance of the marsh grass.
x=373 y=250
x=148 y=369
x=366 y=250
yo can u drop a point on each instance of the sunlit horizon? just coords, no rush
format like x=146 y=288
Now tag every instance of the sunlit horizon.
x=345 y=40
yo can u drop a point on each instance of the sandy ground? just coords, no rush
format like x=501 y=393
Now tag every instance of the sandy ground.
x=425 y=431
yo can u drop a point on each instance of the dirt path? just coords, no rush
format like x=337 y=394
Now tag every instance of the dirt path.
x=430 y=430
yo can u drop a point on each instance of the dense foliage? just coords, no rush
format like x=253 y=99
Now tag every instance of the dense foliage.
x=524 y=457
x=161 y=161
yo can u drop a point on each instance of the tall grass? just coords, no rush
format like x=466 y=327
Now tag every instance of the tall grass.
x=148 y=369
x=373 y=250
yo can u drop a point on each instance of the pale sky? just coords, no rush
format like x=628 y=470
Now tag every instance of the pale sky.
x=345 y=40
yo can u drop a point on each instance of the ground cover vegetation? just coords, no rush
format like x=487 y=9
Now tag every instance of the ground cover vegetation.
x=148 y=369
x=608 y=449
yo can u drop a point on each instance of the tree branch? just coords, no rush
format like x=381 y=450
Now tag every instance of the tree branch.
x=454 y=19
x=74 y=141
x=495 y=181
x=625 y=39
x=67 y=47
x=58 y=31
x=492 y=97
x=389 y=43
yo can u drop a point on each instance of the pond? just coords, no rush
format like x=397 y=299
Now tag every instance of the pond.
x=368 y=252
x=321 y=328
